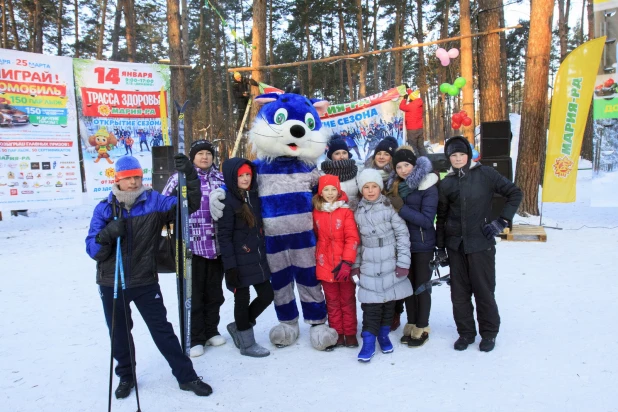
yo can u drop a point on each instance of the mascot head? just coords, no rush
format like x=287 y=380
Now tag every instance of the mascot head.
x=288 y=125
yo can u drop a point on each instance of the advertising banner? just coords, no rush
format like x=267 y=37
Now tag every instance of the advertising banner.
x=39 y=156
x=120 y=107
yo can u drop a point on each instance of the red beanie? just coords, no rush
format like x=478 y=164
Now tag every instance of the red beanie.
x=245 y=168
x=328 y=180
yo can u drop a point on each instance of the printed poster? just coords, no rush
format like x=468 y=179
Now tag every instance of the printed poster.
x=39 y=157
x=119 y=106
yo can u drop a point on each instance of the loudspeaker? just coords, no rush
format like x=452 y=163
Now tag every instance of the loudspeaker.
x=496 y=139
x=159 y=180
x=162 y=166
x=497 y=204
x=504 y=166
x=439 y=162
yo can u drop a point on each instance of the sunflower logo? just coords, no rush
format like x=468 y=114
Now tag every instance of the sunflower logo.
x=109 y=172
x=563 y=166
x=104 y=110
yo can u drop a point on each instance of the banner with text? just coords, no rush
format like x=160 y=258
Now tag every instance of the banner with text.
x=39 y=157
x=120 y=108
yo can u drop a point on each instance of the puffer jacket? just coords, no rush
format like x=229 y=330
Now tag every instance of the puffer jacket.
x=337 y=240
x=241 y=246
x=385 y=245
x=464 y=205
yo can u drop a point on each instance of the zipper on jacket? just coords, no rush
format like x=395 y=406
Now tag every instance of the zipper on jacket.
x=129 y=236
x=248 y=200
x=422 y=236
x=332 y=239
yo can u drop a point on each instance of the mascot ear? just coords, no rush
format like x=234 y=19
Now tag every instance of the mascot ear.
x=320 y=106
x=266 y=98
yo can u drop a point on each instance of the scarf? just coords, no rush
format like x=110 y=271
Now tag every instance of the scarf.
x=403 y=189
x=331 y=207
x=343 y=169
x=125 y=198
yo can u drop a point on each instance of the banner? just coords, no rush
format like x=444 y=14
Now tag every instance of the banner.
x=365 y=122
x=573 y=89
x=120 y=107
x=39 y=157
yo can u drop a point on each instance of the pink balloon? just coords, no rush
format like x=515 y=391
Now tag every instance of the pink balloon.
x=445 y=61
x=441 y=54
x=453 y=53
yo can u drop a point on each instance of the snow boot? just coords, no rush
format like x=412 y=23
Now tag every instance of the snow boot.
x=248 y=347
x=351 y=341
x=419 y=337
x=487 y=344
x=340 y=341
x=233 y=330
x=384 y=341
x=463 y=342
x=198 y=387
x=369 y=347
x=124 y=389
x=407 y=331
x=197 y=350
x=216 y=340
x=396 y=322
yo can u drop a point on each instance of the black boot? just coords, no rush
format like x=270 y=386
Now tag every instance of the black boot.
x=463 y=342
x=487 y=344
x=198 y=386
x=124 y=389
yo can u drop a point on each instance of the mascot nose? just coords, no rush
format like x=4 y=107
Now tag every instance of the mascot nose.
x=297 y=131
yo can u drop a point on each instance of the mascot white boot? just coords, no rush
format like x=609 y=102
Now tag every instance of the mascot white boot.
x=287 y=139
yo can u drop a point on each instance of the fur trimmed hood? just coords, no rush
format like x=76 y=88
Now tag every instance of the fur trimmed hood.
x=421 y=178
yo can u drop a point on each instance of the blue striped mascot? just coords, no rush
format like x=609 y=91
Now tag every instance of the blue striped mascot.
x=287 y=139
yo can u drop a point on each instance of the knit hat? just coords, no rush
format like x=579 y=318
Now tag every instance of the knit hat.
x=245 y=168
x=128 y=166
x=403 y=154
x=328 y=180
x=388 y=144
x=200 y=145
x=457 y=144
x=337 y=144
x=369 y=176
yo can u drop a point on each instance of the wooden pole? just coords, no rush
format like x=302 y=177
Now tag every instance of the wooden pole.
x=357 y=55
x=466 y=68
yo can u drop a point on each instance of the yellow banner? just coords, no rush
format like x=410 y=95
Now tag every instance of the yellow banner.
x=573 y=90
x=163 y=111
x=51 y=102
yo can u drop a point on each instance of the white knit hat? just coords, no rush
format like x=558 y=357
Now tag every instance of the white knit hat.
x=369 y=176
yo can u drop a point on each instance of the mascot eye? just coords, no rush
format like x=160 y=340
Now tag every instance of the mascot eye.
x=310 y=121
x=281 y=116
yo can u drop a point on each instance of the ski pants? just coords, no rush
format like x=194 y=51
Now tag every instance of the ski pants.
x=417 y=141
x=149 y=301
x=206 y=298
x=474 y=273
x=245 y=314
x=376 y=315
x=418 y=306
x=341 y=306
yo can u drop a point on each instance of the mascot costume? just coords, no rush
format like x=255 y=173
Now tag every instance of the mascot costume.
x=287 y=139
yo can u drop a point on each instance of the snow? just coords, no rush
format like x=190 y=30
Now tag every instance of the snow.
x=555 y=350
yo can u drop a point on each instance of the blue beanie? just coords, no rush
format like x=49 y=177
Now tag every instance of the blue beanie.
x=337 y=144
x=128 y=166
x=388 y=144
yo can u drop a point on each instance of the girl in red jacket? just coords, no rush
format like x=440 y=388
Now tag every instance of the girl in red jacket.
x=335 y=252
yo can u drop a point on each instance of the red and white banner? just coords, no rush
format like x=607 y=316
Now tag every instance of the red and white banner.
x=120 y=103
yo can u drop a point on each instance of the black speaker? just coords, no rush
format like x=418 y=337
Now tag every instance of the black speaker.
x=162 y=166
x=159 y=180
x=496 y=139
x=494 y=130
x=504 y=165
x=497 y=205
x=439 y=162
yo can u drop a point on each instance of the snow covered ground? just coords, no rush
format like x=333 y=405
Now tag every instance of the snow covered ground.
x=556 y=350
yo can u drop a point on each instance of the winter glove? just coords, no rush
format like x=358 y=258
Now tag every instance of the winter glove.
x=215 y=202
x=401 y=272
x=494 y=228
x=397 y=202
x=441 y=255
x=342 y=271
x=183 y=165
x=232 y=278
x=355 y=272
x=111 y=232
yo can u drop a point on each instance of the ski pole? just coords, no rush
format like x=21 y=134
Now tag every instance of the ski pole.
x=126 y=317
x=111 y=357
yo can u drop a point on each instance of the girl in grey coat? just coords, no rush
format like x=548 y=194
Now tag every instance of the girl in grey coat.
x=382 y=263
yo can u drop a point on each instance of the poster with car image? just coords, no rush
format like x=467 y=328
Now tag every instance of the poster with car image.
x=39 y=157
x=119 y=106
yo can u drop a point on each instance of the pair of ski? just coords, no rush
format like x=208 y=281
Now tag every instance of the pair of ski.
x=183 y=264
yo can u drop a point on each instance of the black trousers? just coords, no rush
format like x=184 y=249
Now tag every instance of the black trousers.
x=376 y=315
x=206 y=298
x=418 y=306
x=149 y=302
x=474 y=273
x=245 y=314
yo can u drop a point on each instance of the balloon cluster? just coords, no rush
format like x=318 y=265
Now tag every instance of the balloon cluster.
x=453 y=89
x=446 y=56
x=459 y=119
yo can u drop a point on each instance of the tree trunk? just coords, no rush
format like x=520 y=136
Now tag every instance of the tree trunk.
x=398 y=56
x=5 y=37
x=422 y=72
x=101 y=31
x=563 y=26
x=376 y=59
x=116 y=30
x=177 y=78
x=244 y=35
x=489 y=65
x=439 y=135
x=533 y=132
x=76 y=4
x=129 y=23
x=271 y=43
x=184 y=22
x=466 y=68
x=348 y=66
x=309 y=56
x=13 y=24
x=503 y=82
x=38 y=27
x=362 y=92
x=587 y=145
x=258 y=56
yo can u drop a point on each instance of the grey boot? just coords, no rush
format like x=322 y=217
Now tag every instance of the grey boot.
x=233 y=330
x=248 y=347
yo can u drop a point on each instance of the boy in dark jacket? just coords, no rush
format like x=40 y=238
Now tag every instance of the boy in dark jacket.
x=141 y=213
x=465 y=229
x=241 y=240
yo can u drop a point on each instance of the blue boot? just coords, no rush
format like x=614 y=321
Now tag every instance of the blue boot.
x=384 y=341
x=369 y=347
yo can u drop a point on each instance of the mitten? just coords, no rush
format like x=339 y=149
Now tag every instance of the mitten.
x=232 y=278
x=494 y=228
x=355 y=272
x=342 y=271
x=397 y=202
x=401 y=272
x=215 y=202
x=183 y=165
x=111 y=232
